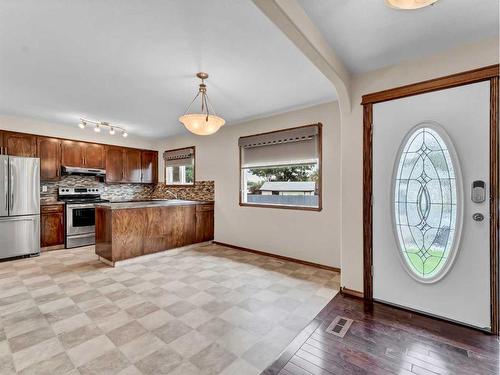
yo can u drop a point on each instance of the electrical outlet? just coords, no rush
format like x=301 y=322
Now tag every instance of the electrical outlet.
x=44 y=188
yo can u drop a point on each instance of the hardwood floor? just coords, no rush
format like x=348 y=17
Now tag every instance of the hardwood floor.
x=386 y=340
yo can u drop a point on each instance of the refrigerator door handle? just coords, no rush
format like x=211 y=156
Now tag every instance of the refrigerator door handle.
x=5 y=167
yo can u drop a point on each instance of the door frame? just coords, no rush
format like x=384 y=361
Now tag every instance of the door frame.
x=488 y=73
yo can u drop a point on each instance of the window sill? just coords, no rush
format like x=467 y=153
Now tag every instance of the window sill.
x=278 y=206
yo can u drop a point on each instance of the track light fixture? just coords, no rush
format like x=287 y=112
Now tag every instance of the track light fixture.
x=98 y=125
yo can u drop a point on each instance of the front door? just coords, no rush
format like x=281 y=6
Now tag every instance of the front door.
x=431 y=218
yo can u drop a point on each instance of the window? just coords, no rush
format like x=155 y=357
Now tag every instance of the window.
x=180 y=166
x=282 y=169
x=427 y=202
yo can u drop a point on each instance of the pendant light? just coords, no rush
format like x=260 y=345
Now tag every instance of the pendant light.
x=206 y=122
x=409 y=4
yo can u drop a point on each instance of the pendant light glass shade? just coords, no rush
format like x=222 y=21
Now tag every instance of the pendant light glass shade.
x=409 y=4
x=201 y=124
x=206 y=122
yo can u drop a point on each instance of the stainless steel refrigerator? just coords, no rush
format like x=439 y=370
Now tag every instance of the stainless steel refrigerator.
x=19 y=206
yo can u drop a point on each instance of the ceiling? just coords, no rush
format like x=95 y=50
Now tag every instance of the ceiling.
x=368 y=35
x=133 y=62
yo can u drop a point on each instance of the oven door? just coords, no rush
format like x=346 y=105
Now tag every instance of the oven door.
x=80 y=218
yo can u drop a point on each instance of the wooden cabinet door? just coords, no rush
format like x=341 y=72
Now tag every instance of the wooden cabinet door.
x=52 y=225
x=114 y=164
x=132 y=166
x=72 y=153
x=149 y=160
x=94 y=156
x=19 y=144
x=204 y=223
x=49 y=152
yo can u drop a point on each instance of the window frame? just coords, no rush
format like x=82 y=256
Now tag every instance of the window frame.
x=194 y=168
x=320 y=173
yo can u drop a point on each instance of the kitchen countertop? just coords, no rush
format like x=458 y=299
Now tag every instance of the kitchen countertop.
x=149 y=203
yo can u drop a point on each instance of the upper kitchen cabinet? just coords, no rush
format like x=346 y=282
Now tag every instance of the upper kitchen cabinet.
x=132 y=166
x=81 y=154
x=114 y=164
x=94 y=156
x=18 y=144
x=72 y=153
x=149 y=160
x=49 y=152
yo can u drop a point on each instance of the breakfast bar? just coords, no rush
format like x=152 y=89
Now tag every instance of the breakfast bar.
x=127 y=230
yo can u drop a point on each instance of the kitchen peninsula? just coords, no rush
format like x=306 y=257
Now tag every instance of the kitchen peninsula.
x=127 y=230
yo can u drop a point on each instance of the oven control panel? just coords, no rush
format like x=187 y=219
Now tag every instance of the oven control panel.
x=80 y=190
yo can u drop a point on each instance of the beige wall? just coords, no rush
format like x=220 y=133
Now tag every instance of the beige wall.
x=27 y=125
x=453 y=61
x=307 y=235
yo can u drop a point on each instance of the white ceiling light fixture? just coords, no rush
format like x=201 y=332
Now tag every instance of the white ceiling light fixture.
x=206 y=122
x=409 y=4
x=98 y=125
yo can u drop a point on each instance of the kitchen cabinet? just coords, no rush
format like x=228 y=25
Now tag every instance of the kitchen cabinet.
x=49 y=152
x=114 y=164
x=132 y=167
x=52 y=225
x=128 y=230
x=18 y=144
x=72 y=153
x=123 y=165
x=94 y=156
x=204 y=222
x=149 y=160
x=81 y=154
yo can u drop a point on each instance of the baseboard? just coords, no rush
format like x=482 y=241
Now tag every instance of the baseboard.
x=50 y=248
x=352 y=293
x=304 y=262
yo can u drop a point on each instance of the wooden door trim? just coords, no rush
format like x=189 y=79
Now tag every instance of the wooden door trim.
x=446 y=82
x=488 y=73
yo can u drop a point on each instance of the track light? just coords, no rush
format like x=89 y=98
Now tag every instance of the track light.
x=99 y=125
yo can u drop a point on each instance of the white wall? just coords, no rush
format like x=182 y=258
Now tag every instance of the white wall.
x=453 y=61
x=32 y=126
x=306 y=235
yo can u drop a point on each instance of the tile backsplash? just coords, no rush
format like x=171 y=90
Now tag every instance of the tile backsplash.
x=202 y=190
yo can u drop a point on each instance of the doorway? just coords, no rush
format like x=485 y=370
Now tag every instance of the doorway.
x=431 y=197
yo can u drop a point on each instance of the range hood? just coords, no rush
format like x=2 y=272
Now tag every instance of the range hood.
x=83 y=171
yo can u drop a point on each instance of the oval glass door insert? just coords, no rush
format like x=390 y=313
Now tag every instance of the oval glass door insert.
x=427 y=198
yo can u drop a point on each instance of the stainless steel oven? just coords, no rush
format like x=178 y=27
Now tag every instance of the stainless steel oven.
x=80 y=214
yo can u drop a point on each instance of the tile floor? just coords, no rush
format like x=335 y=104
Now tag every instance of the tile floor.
x=206 y=310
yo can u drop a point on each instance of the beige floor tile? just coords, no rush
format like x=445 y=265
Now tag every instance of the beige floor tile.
x=89 y=350
x=213 y=359
x=71 y=323
x=190 y=344
x=36 y=353
x=141 y=347
x=155 y=319
x=110 y=363
x=162 y=361
x=126 y=333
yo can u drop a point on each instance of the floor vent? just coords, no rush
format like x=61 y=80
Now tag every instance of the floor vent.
x=339 y=326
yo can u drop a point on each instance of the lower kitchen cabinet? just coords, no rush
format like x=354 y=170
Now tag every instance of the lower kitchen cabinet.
x=52 y=225
x=204 y=222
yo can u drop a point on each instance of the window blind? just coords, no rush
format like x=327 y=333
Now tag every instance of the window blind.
x=286 y=147
x=179 y=158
